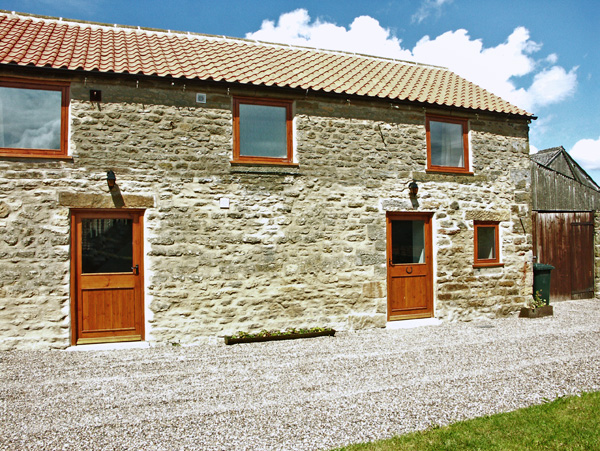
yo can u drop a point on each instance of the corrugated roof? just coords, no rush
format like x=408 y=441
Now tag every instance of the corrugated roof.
x=558 y=159
x=55 y=43
x=545 y=156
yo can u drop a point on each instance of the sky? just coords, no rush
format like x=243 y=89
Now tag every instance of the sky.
x=541 y=55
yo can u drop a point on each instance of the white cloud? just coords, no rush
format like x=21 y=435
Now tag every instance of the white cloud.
x=538 y=128
x=365 y=35
x=552 y=85
x=587 y=153
x=427 y=8
x=493 y=68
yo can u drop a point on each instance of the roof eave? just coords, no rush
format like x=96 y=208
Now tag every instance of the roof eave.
x=112 y=74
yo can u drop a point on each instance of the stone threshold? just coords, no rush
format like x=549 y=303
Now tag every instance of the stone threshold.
x=412 y=323
x=110 y=346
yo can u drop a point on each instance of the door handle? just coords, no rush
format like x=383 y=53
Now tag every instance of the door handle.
x=136 y=269
x=390 y=261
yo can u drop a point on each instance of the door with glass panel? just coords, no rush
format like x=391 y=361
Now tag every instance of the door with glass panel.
x=107 y=276
x=410 y=268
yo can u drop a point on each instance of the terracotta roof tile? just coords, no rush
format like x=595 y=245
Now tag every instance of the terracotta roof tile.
x=44 y=42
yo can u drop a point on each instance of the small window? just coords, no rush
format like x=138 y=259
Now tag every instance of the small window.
x=33 y=118
x=487 y=244
x=408 y=242
x=263 y=131
x=447 y=144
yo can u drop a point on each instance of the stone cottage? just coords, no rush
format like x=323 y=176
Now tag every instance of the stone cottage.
x=167 y=187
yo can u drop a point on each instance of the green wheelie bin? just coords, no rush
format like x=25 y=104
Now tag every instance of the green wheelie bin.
x=541 y=280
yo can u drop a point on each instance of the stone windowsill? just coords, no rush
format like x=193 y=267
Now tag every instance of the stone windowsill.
x=447 y=177
x=256 y=168
x=488 y=265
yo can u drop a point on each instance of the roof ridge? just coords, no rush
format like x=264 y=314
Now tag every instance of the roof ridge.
x=191 y=34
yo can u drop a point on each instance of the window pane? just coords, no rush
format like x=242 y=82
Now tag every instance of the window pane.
x=486 y=243
x=106 y=245
x=447 y=147
x=408 y=242
x=30 y=118
x=263 y=131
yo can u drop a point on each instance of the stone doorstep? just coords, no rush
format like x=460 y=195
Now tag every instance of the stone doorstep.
x=411 y=323
x=110 y=346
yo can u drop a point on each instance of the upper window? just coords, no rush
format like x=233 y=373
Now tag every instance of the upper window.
x=487 y=243
x=33 y=118
x=263 y=131
x=447 y=144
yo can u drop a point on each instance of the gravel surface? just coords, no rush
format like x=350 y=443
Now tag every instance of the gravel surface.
x=309 y=394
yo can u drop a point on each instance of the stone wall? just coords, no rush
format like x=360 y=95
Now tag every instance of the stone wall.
x=297 y=247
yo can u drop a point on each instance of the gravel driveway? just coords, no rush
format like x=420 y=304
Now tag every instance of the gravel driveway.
x=296 y=395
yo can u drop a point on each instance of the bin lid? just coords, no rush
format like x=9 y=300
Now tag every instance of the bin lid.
x=542 y=267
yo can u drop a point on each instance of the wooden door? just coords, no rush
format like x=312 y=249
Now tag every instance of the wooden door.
x=565 y=240
x=410 y=268
x=582 y=258
x=107 y=271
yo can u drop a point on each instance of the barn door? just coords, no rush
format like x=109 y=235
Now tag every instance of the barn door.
x=107 y=271
x=582 y=258
x=410 y=273
x=565 y=240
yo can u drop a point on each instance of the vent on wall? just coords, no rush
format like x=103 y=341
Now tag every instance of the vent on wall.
x=95 y=95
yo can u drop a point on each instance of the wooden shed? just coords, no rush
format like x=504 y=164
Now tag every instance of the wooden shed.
x=565 y=206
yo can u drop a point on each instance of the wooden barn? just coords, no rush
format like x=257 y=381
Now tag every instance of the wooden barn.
x=566 y=224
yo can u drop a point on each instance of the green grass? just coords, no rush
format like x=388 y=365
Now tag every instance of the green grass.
x=565 y=424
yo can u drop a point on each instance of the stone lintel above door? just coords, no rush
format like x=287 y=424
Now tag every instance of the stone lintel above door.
x=112 y=200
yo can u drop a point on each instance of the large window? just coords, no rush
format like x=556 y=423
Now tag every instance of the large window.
x=263 y=131
x=487 y=244
x=33 y=118
x=447 y=144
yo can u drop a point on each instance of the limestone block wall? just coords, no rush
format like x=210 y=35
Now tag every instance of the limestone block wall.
x=34 y=256
x=298 y=246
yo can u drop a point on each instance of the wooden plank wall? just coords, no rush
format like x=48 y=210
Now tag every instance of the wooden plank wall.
x=553 y=191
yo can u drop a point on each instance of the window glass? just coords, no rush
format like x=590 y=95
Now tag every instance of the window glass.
x=408 y=242
x=30 y=118
x=447 y=146
x=486 y=243
x=263 y=131
x=106 y=245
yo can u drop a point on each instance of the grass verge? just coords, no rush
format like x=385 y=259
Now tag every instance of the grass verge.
x=571 y=423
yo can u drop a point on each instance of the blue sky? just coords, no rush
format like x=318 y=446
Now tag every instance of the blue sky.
x=543 y=55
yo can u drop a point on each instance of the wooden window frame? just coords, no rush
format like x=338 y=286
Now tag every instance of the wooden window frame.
x=488 y=262
x=42 y=85
x=288 y=160
x=465 y=127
